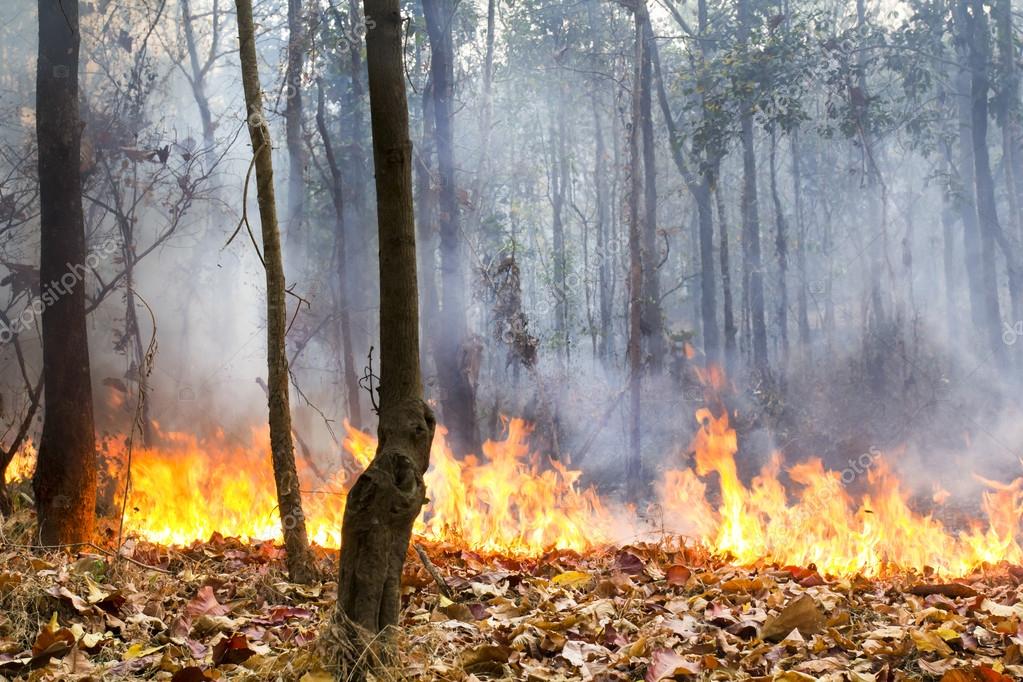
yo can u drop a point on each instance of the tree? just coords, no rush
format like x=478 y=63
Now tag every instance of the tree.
x=282 y=449
x=753 y=275
x=455 y=356
x=65 y=477
x=386 y=499
x=633 y=458
x=293 y=125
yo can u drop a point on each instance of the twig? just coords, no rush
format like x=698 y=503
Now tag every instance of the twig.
x=445 y=589
x=136 y=423
x=366 y=381
x=105 y=552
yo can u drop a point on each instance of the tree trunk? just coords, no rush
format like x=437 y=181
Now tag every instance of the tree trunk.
x=987 y=216
x=65 y=477
x=343 y=283
x=198 y=77
x=782 y=251
x=388 y=496
x=455 y=359
x=701 y=193
x=282 y=450
x=1009 y=113
x=634 y=461
x=652 y=326
x=726 y=281
x=293 y=130
x=752 y=266
x=802 y=307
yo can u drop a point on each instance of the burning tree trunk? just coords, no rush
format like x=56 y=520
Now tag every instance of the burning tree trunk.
x=65 y=477
x=455 y=361
x=282 y=449
x=388 y=496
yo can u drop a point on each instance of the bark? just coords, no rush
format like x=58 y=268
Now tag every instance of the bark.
x=949 y=248
x=293 y=128
x=802 y=307
x=781 y=248
x=65 y=477
x=1009 y=113
x=652 y=327
x=987 y=216
x=282 y=449
x=342 y=279
x=197 y=78
x=726 y=281
x=633 y=461
x=559 y=188
x=455 y=357
x=752 y=266
x=388 y=496
x=604 y=257
x=700 y=190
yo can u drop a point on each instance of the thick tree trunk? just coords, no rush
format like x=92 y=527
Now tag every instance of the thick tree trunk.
x=455 y=358
x=388 y=496
x=293 y=130
x=342 y=280
x=282 y=449
x=65 y=477
x=559 y=179
x=753 y=269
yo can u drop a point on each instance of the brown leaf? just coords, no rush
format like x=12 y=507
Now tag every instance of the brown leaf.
x=944 y=589
x=665 y=664
x=234 y=649
x=803 y=614
x=205 y=604
x=980 y=673
x=678 y=575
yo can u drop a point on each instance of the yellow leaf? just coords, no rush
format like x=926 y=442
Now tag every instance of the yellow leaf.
x=572 y=579
x=930 y=641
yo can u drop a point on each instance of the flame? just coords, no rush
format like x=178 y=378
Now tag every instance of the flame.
x=505 y=502
x=824 y=525
x=23 y=465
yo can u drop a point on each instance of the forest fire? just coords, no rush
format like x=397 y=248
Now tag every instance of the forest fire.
x=875 y=535
x=508 y=502
x=504 y=502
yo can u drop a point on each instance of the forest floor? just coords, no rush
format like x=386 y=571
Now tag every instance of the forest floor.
x=224 y=610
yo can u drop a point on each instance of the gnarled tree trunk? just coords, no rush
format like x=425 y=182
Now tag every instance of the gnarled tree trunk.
x=388 y=496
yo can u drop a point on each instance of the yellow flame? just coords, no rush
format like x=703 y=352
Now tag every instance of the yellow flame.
x=505 y=502
x=23 y=465
x=823 y=525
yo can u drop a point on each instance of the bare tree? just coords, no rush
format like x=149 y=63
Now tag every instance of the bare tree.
x=282 y=449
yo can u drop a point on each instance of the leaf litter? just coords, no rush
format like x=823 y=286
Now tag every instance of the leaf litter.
x=224 y=610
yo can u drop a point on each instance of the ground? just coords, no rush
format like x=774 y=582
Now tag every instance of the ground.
x=223 y=609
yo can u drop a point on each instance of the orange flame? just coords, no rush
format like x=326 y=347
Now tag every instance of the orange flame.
x=824 y=525
x=190 y=488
